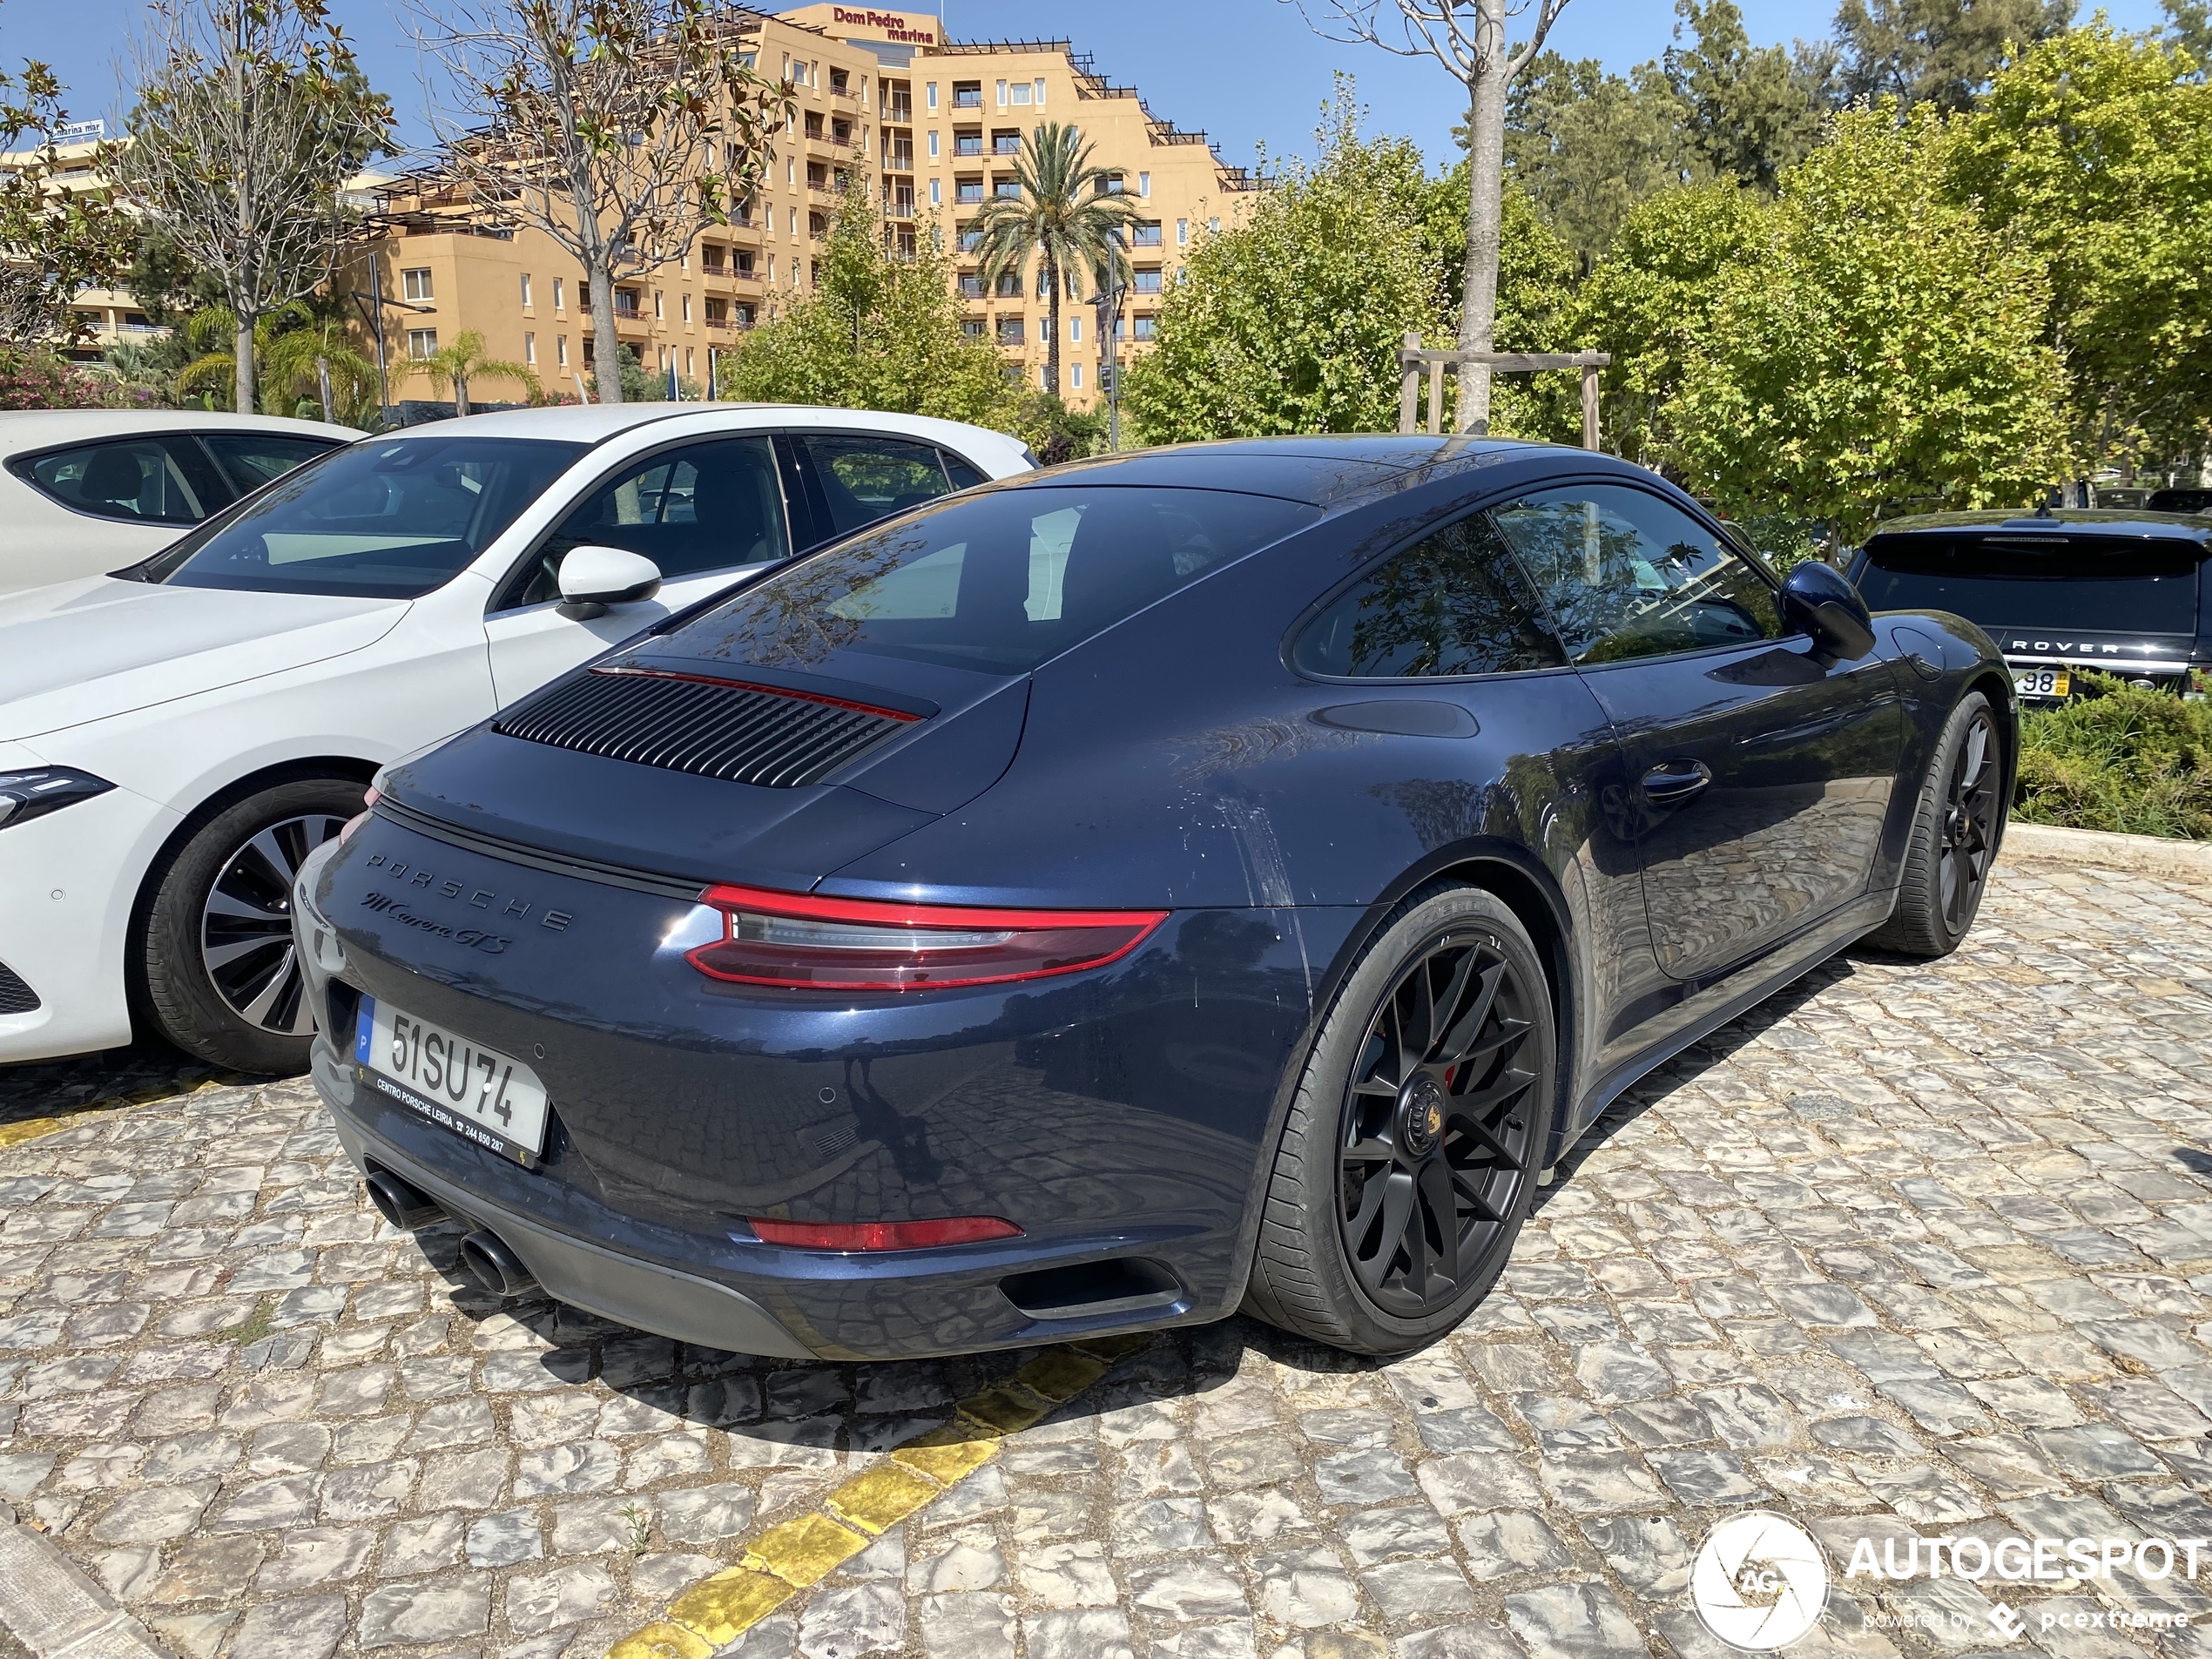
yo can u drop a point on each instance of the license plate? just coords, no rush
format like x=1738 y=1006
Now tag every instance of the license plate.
x=478 y=1093
x=2043 y=682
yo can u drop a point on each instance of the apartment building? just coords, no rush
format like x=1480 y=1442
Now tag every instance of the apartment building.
x=105 y=315
x=927 y=126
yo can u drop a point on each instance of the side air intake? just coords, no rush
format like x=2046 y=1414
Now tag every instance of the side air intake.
x=16 y=997
x=730 y=729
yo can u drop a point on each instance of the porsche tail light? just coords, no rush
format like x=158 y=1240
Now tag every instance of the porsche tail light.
x=803 y=941
x=882 y=1235
x=368 y=801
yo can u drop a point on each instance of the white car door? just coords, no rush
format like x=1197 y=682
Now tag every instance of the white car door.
x=707 y=512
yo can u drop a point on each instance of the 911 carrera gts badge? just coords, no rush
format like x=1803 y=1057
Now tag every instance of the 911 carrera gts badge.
x=475 y=939
x=424 y=880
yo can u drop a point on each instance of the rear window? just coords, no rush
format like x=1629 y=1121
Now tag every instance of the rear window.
x=997 y=583
x=377 y=519
x=2038 y=581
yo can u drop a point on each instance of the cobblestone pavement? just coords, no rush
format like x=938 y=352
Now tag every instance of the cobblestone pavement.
x=1906 y=1249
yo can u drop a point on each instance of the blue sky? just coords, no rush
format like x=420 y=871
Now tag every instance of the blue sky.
x=1246 y=70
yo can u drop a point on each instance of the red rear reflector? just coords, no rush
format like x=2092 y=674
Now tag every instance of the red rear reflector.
x=883 y=1235
x=803 y=942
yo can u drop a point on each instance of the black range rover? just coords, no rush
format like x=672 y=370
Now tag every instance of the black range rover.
x=2128 y=592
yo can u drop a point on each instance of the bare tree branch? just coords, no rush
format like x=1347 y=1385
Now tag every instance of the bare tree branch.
x=619 y=128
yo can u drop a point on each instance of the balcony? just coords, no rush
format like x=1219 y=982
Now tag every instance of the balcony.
x=898 y=113
x=899 y=158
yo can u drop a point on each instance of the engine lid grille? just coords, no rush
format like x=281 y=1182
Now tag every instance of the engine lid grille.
x=732 y=729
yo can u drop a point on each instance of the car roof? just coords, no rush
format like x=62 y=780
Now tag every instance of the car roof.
x=22 y=429
x=595 y=422
x=1328 y=470
x=2123 y=523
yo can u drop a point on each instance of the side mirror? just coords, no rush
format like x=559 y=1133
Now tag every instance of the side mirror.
x=1819 y=600
x=593 y=578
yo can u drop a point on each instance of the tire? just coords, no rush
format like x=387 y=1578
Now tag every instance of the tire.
x=1956 y=827
x=215 y=948
x=1377 y=1151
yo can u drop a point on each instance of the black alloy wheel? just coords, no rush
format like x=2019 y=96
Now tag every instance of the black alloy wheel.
x=1410 y=1150
x=1969 y=829
x=246 y=943
x=1436 y=1134
x=1957 y=826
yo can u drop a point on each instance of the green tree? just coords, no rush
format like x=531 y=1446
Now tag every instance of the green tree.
x=1585 y=147
x=1650 y=300
x=1937 y=51
x=462 y=360
x=56 y=237
x=1753 y=112
x=316 y=367
x=1875 y=345
x=879 y=331
x=1292 y=321
x=2188 y=25
x=2095 y=152
x=252 y=116
x=1064 y=217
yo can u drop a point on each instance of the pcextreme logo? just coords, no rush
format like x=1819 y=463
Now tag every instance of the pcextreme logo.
x=1759 y=1581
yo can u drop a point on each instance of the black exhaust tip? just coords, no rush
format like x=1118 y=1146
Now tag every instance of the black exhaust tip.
x=498 y=1269
x=400 y=1203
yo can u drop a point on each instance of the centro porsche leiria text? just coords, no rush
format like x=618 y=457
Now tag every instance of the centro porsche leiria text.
x=1213 y=878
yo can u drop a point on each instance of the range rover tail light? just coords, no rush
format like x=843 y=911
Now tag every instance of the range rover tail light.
x=803 y=941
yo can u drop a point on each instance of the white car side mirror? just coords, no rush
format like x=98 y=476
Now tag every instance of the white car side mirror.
x=593 y=578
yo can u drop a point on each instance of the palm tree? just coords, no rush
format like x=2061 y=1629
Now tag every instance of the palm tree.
x=464 y=360
x=1064 y=214
x=321 y=361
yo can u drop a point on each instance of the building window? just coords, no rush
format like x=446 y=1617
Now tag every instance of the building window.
x=688 y=364
x=687 y=309
x=625 y=302
x=1009 y=285
x=1144 y=282
x=968 y=192
x=968 y=143
x=1040 y=89
x=1075 y=331
x=794 y=224
x=529 y=348
x=1213 y=227
x=745 y=316
x=1144 y=184
x=936 y=192
x=1112 y=185
x=1010 y=331
x=526 y=290
x=421 y=343
x=560 y=294
x=966 y=95
x=1145 y=232
x=838 y=82
x=1182 y=232
x=1008 y=190
x=1006 y=143
x=1002 y=94
x=717 y=311
x=561 y=350
x=1075 y=377
x=973 y=328
x=660 y=312
x=930 y=93
x=1021 y=94
x=971 y=241
x=971 y=285
x=1145 y=327
x=743 y=259
x=415 y=284
x=933 y=143
x=709 y=257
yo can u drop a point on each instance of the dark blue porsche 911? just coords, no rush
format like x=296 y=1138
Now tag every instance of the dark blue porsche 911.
x=1221 y=877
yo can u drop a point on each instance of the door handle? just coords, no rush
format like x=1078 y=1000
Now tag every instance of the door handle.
x=1676 y=781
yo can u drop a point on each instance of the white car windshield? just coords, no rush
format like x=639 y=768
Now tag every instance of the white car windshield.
x=385 y=518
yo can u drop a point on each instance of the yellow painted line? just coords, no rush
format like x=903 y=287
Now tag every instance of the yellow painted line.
x=795 y=1554
x=32 y=1129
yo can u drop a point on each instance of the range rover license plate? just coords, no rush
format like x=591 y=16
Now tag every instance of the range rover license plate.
x=478 y=1093
x=2041 y=682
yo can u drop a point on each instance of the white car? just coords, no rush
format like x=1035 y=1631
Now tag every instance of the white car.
x=87 y=491
x=174 y=741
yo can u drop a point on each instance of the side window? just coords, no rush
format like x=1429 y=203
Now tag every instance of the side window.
x=251 y=458
x=704 y=507
x=963 y=476
x=139 y=480
x=1452 y=603
x=864 y=477
x=1625 y=574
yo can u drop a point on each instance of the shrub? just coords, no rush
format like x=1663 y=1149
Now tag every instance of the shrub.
x=2118 y=758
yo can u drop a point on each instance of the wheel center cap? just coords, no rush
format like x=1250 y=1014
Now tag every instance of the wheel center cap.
x=1420 y=1116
